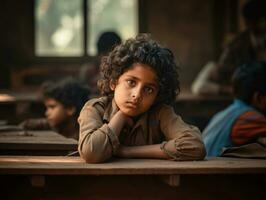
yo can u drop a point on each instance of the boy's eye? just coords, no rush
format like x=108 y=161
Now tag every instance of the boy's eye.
x=131 y=83
x=50 y=107
x=149 y=90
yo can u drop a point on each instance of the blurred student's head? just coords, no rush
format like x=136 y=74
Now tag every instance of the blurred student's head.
x=107 y=41
x=64 y=100
x=249 y=84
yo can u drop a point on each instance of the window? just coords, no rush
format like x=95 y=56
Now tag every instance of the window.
x=114 y=15
x=60 y=25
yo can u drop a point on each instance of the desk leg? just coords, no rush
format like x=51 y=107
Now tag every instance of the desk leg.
x=37 y=181
x=171 y=180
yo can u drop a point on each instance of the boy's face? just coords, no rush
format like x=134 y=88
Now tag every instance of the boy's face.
x=56 y=113
x=136 y=89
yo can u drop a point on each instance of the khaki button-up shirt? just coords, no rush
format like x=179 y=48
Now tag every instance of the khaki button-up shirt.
x=159 y=125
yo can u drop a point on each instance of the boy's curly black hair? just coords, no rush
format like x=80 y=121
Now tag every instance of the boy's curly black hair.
x=143 y=50
x=68 y=91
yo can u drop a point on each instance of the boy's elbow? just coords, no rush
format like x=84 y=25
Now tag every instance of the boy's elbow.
x=195 y=152
x=200 y=152
x=95 y=148
x=199 y=147
x=93 y=156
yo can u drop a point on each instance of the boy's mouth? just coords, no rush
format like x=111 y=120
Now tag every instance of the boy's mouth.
x=131 y=105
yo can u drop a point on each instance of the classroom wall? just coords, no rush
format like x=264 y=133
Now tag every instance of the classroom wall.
x=16 y=37
x=185 y=26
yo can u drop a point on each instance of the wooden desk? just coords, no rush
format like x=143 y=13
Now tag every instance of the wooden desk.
x=16 y=106
x=70 y=178
x=35 y=143
x=8 y=96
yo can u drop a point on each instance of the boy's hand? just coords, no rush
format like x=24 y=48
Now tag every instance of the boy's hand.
x=35 y=124
x=118 y=121
x=125 y=118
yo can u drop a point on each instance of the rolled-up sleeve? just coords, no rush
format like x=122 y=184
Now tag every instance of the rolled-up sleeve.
x=96 y=141
x=183 y=141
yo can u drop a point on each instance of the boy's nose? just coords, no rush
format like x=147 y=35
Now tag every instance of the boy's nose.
x=136 y=95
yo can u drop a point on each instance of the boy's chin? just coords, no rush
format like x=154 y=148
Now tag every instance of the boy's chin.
x=129 y=113
x=132 y=114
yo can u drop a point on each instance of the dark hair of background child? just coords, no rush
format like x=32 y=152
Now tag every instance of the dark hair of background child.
x=107 y=41
x=69 y=92
x=248 y=79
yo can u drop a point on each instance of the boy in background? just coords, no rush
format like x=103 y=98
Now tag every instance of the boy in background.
x=90 y=72
x=63 y=101
x=249 y=45
x=243 y=122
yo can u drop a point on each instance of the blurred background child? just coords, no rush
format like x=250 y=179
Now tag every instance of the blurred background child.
x=244 y=121
x=90 y=73
x=247 y=46
x=63 y=101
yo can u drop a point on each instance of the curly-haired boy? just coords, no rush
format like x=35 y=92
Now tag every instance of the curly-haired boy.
x=134 y=117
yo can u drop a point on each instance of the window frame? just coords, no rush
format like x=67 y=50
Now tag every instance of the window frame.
x=85 y=57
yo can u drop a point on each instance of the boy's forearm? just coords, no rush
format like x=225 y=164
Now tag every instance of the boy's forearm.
x=35 y=124
x=146 y=151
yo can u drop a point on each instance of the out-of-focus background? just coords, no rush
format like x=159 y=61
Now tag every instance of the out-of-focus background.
x=50 y=39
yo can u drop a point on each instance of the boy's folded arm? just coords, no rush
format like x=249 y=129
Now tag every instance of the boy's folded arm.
x=186 y=146
x=35 y=124
x=176 y=149
x=145 y=151
x=96 y=140
x=183 y=141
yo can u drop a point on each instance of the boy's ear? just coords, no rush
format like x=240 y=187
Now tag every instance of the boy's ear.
x=112 y=84
x=70 y=110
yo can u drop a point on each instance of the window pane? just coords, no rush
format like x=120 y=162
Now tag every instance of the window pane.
x=58 y=28
x=120 y=16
